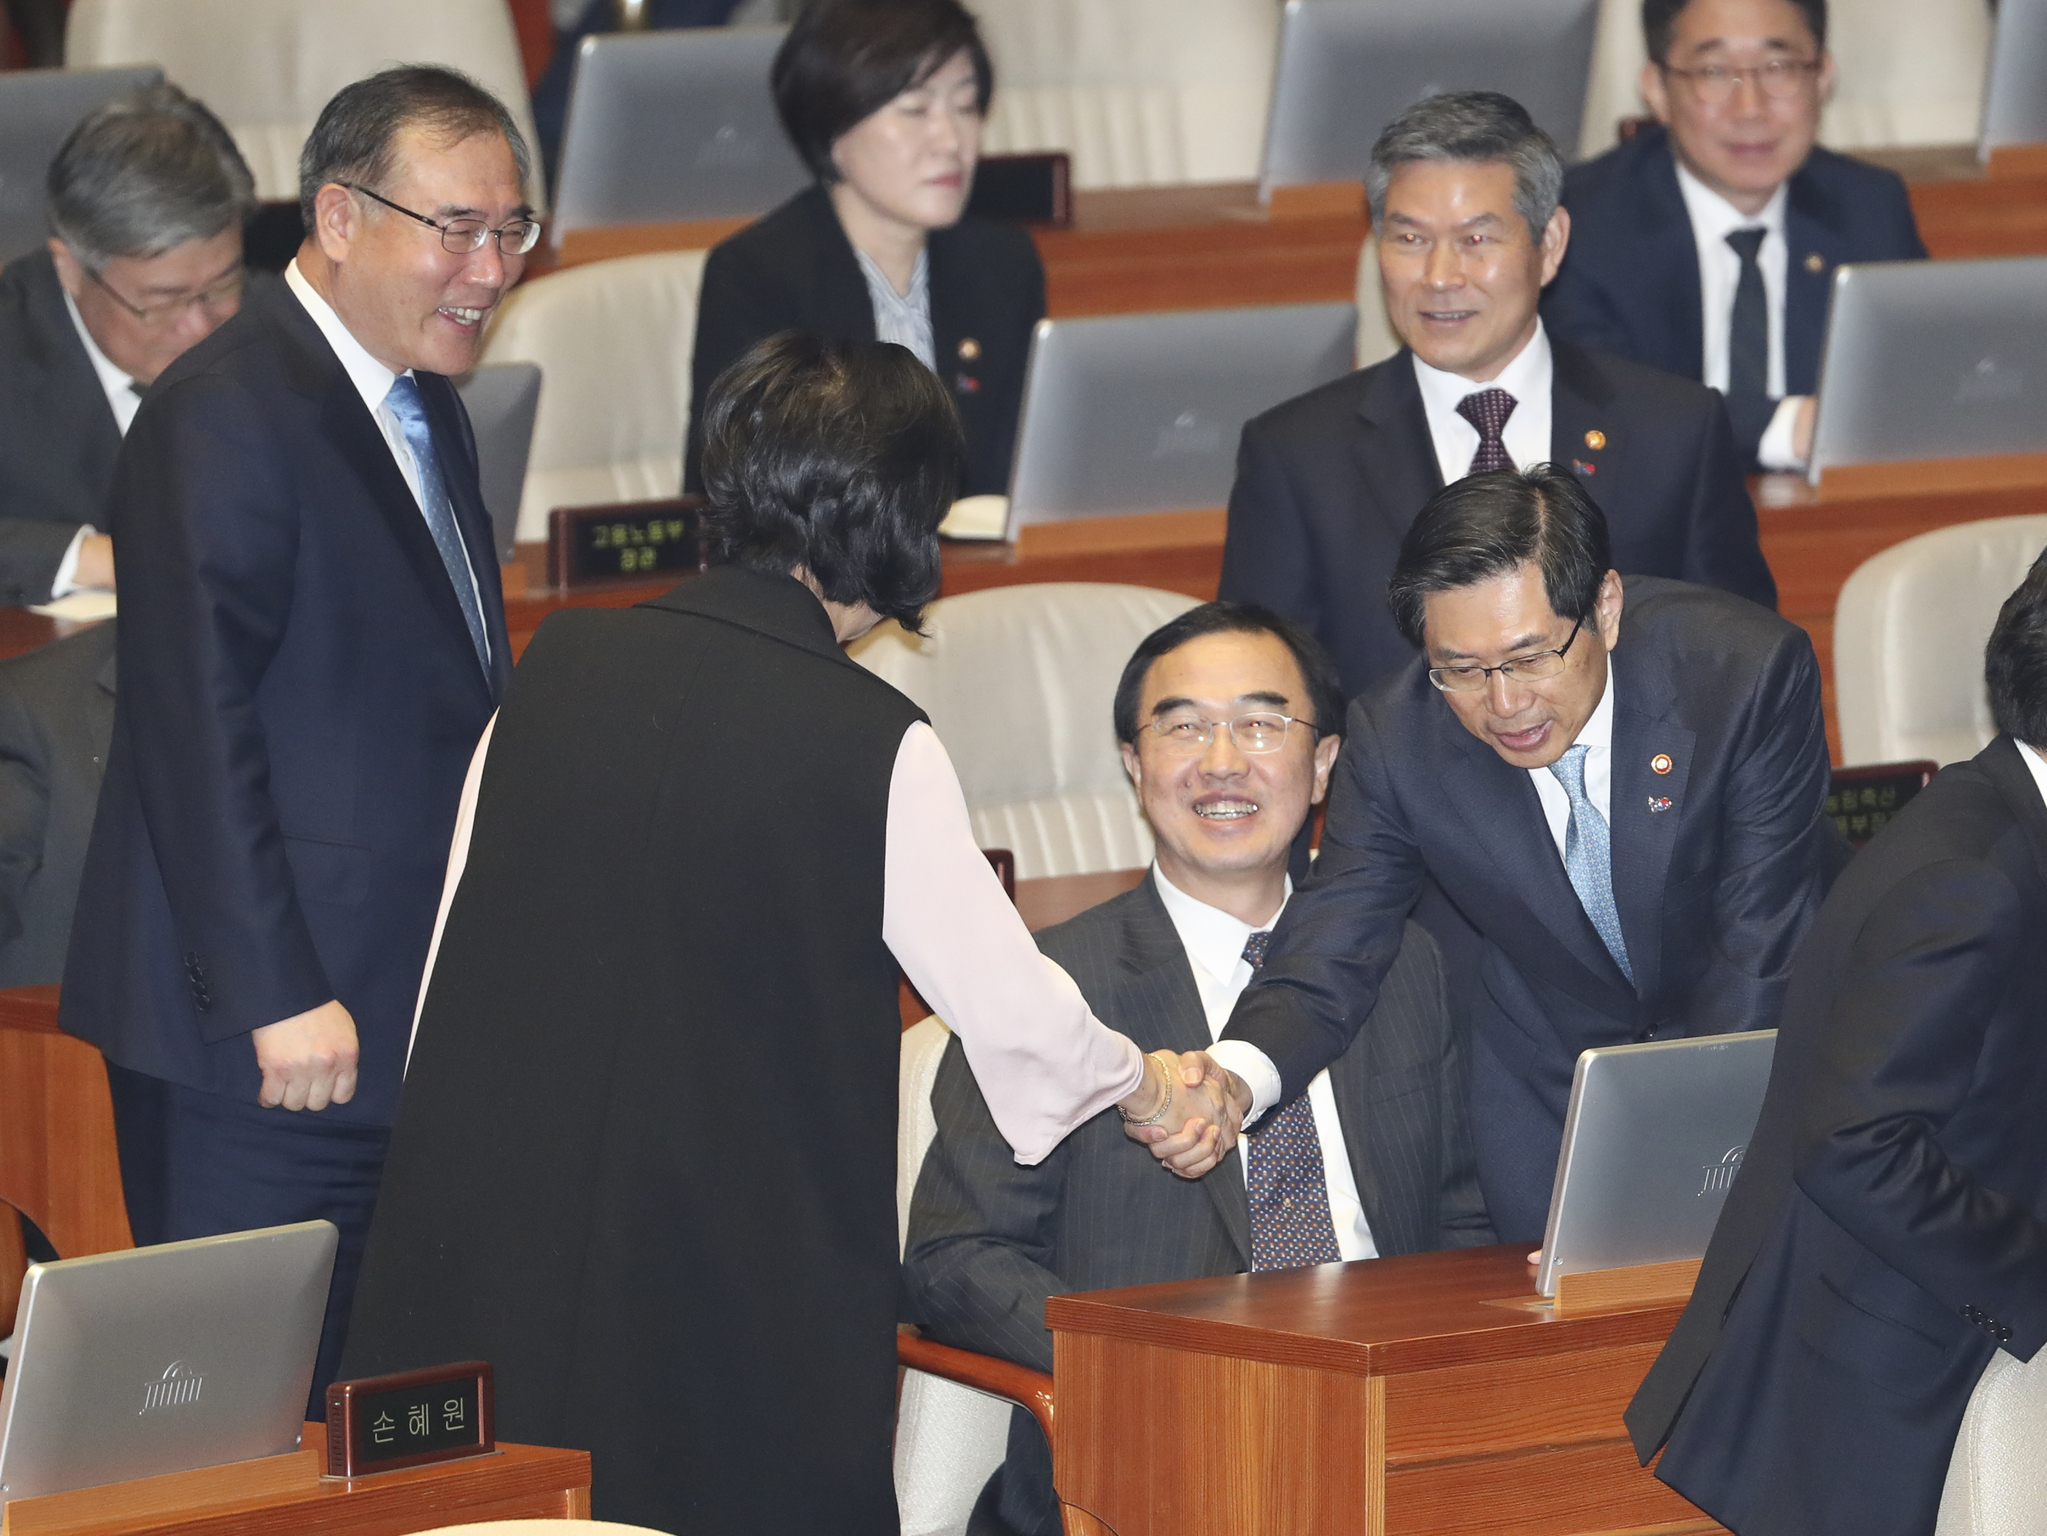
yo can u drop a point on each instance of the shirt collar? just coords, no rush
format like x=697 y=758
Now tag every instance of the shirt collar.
x=1213 y=939
x=372 y=380
x=2035 y=764
x=114 y=379
x=1527 y=375
x=879 y=285
x=1714 y=218
x=1598 y=731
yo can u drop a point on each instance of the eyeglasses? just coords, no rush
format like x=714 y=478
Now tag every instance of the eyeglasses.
x=464 y=237
x=1190 y=734
x=1778 y=79
x=223 y=293
x=1532 y=668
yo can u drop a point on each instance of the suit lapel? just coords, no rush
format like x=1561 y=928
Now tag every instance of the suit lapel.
x=1581 y=400
x=66 y=369
x=1665 y=243
x=1647 y=807
x=1395 y=452
x=450 y=423
x=1812 y=237
x=1157 y=985
x=2003 y=762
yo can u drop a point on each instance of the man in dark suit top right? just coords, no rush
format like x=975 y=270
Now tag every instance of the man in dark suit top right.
x=1639 y=845
x=1884 y=1248
x=1464 y=192
x=1706 y=245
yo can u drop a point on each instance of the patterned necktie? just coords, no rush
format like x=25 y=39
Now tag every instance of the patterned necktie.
x=1588 y=856
x=410 y=410
x=1748 y=330
x=1289 y=1193
x=1488 y=411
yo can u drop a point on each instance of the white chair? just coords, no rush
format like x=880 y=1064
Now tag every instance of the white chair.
x=613 y=341
x=1018 y=682
x=1140 y=92
x=267 y=67
x=1376 y=338
x=1997 y=1477
x=1909 y=632
x=1909 y=72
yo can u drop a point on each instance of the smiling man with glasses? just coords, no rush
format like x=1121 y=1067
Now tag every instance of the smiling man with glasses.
x=146 y=201
x=1706 y=245
x=1619 y=785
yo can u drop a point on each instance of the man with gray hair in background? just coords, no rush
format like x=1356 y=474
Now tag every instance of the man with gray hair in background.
x=1464 y=190
x=146 y=203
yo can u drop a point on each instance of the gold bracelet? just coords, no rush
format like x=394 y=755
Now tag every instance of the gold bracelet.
x=1160 y=1113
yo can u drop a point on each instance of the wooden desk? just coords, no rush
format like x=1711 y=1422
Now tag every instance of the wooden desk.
x=1963 y=212
x=287 y=1496
x=1391 y=1398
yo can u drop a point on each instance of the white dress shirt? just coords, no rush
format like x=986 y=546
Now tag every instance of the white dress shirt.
x=1526 y=436
x=2035 y=765
x=1044 y=1062
x=122 y=399
x=1214 y=942
x=903 y=318
x=1714 y=218
x=373 y=381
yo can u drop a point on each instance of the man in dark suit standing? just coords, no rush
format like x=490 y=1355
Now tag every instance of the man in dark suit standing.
x=1884 y=1248
x=1706 y=245
x=1639 y=842
x=146 y=203
x=1464 y=200
x=312 y=639
x=1228 y=719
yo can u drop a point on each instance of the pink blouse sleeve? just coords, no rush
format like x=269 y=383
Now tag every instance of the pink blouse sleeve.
x=1044 y=1063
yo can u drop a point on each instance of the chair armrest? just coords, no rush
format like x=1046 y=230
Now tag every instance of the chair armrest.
x=985 y=1373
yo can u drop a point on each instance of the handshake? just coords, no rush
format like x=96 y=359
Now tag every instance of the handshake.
x=1188 y=1112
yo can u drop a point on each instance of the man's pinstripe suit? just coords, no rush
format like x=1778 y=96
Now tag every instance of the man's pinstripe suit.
x=990 y=1240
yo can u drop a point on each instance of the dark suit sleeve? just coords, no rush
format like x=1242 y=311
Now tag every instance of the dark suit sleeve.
x=736 y=308
x=1575 y=308
x=1723 y=547
x=980 y=1234
x=206 y=522
x=1462 y=1220
x=1899 y=1055
x=31 y=549
x=1750 y=419
x=1267 y=555
x=24 y=804
x=1775 y=843
x=1338 y=937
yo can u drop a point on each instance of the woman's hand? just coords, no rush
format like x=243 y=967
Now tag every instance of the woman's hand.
x=1197 y=1124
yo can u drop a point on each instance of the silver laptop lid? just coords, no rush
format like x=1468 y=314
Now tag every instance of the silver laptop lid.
x=673 y=125
x=502 y=401
x=38 y=110
x=1652 y=1140
x=1347 y=68
x=2015 y=100
x=1933 y=360
x=1141 y=413
x=163 y=1359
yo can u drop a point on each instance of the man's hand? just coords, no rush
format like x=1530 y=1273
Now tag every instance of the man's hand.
x=95 y=567
x=308 y=1060
x=1801 y=427
x=1201 y=1124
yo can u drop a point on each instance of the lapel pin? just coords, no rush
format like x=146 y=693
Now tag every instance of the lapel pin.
x=1658 y=803
x=1660 y=763
x=1595 y=439
x=1583 y=468
x=969 y=350
x=1815 y=262
x=966 y=383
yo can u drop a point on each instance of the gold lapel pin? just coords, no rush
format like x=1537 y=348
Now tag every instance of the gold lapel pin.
x=1815 y=262
x=1660 y=763
x=969 y=349
x=1595 y=439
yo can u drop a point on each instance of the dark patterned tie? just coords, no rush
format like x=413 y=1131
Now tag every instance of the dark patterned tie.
x=1488 y=411
x=1748 y=331
x=1290 y=1222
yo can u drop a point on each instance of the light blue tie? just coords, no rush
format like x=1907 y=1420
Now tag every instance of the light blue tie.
x=1588 y=856
x=410 y=410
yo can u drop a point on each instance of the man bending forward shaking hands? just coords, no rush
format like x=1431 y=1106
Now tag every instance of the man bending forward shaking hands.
x=1227 y=718
x=1621 y=788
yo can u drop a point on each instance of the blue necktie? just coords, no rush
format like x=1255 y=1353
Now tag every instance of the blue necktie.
x=1285 y=1180
x=410 y=410
x=1588 y=856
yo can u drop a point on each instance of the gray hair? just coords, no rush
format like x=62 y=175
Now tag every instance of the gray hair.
x=356 y=138
x=1477 y=126
x=146 y=173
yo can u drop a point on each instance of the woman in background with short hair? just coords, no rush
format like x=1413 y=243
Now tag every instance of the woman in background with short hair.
x=884 y=100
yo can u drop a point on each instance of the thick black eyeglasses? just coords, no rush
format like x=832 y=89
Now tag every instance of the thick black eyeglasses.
x=1532 y=668
x=464 y=237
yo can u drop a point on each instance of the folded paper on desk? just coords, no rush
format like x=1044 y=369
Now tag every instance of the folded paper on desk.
x=79 y=607
x=976 y=517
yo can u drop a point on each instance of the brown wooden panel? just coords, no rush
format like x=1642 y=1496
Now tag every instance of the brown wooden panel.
x=1511 y=1405
x=58 y=1163
x=1562 y=1491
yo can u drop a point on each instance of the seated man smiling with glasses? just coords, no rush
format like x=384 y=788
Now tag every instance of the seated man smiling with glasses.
x=146 y=203
x=1620 y=785
x=1706 y=245
x=1227 y=718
